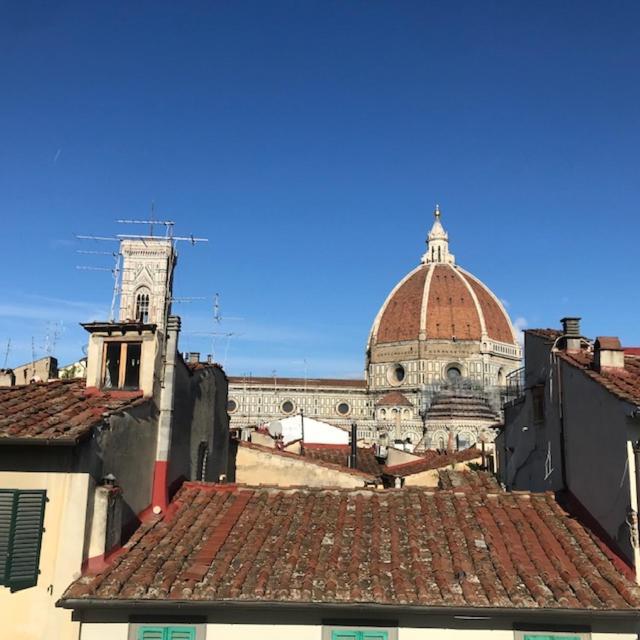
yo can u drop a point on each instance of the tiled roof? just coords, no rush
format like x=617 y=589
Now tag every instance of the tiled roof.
x=431 y=460
x=457 y=305
x=394 y=398
x=450 y=479
x=327 y=464
x=60 y=411
x=623 y=383
x=549 y=334
x=457 y=549
x=339 y=454
x=632 y=351
x=309 y=383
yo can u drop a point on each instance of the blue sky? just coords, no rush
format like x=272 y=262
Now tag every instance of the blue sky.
x=309 y=142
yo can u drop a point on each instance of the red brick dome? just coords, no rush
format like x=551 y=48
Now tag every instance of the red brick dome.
x=440 y=301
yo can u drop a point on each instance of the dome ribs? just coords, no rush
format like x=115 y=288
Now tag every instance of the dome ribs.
x=401 y=316
x=451 y=311
x=496 y=322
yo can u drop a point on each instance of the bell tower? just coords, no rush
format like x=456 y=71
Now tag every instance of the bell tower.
x=147 y=280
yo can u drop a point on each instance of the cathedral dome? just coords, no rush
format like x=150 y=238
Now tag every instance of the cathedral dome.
x=438 y=323
x=440 y=301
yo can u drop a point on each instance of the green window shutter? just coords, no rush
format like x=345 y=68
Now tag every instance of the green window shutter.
x=25 y=539
x=375 y=635
x=346 y=635
x=549 y=636
x=181 y=633
x=6 y=518
x=152 y=633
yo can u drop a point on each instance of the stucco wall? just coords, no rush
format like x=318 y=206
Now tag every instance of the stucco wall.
x=532 y=458
x=220 y=631
x=596 y=433
x=256 y=467
x=30 y=614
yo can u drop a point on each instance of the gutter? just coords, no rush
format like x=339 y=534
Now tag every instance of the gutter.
x=166 y=605
x=43 y=442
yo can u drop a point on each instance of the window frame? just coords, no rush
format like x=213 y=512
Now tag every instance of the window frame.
x=360 y=631
x=551 y=634
x=137 y=628
x=24 y=583
x=122 y=366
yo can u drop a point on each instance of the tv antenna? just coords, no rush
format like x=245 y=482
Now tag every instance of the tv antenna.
x=217 y=315
x=54 y=329
x=150 y=237
x=6 y=353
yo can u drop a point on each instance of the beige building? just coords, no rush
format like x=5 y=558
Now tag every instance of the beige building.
x=84 y=462
x=440 y=333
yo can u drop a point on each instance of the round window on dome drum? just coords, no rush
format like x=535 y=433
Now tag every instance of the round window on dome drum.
x=396 y=374
x=453 y=373
x=287 y=406
x=232 y=405
x=343 y=408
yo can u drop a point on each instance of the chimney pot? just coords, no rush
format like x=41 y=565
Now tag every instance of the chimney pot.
x=194 y=357
x=571 y=327
x=209 y=359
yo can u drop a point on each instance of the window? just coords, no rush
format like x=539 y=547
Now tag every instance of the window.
x=288 y=406
x=21 y=519
x=359 y=633
x=552 y=635
x=232 y=405
x=176 y=632
x=121 y=365
x=396 y=374
x=453 y=373
x=142 y=306
x=343 y=408
x=538 y=403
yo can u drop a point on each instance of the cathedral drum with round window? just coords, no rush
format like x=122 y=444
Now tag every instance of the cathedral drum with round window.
x=343 y=408
x=288 y=407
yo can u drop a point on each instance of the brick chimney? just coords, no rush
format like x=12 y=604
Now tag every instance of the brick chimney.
x=571 y=333
x=608 y=353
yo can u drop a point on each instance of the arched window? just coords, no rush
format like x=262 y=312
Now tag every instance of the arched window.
x=142 y=306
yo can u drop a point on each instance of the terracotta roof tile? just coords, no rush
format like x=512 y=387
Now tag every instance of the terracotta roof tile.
x=623 y=383
x=59 y=410
x=394 y=398
x=431 y=460
x=467 y=479
x=338 y=454
x=549 y=334
x=472 y=549
x=319 y=460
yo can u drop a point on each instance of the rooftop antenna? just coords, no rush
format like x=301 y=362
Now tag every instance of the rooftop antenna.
x=217 y=315
x=6 y=353
x=116 y=270
x=51 y=338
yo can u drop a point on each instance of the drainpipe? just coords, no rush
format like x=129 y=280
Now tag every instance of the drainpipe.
x=632 y=518
x=160 y=495
x=353 y=459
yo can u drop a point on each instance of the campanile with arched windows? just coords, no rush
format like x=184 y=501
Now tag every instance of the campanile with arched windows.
x=147 y=279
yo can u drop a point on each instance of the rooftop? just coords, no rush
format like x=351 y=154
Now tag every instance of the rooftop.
x=58 y=411
x=317 y=460
x=458 y=549
x=623 y=383
x=549 y=334
x=431 y=460
x=338 y=454
x=310 y=383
